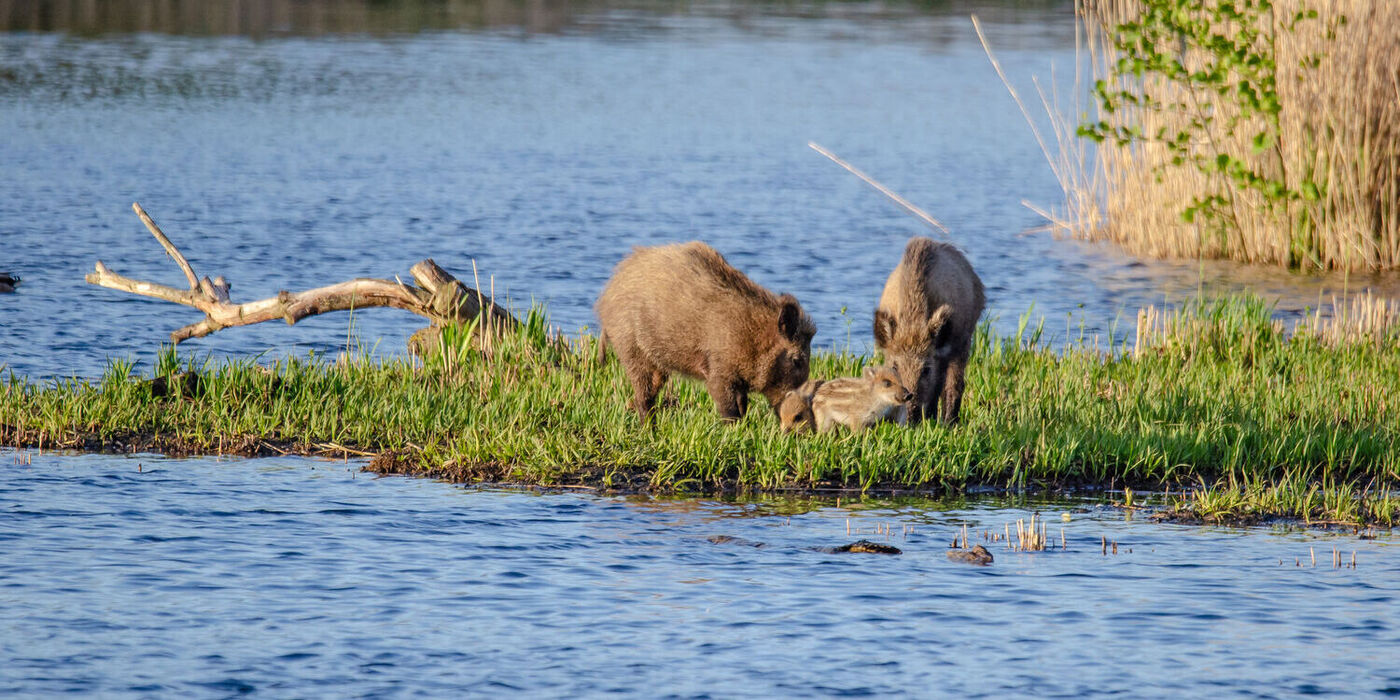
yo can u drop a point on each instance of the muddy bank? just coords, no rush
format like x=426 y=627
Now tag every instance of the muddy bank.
x=1192 y=507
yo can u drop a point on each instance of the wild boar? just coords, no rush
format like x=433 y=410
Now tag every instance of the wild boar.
x=855 y=402
x=683 y=308
x=925 y=322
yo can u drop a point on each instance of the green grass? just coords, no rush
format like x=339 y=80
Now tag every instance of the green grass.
x=1271 y=426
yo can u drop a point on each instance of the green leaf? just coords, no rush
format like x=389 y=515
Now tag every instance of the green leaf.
x=1261 y=142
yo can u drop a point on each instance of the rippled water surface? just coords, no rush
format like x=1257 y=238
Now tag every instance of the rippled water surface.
x=541 y=142
x=136 y=576
x=287 y=145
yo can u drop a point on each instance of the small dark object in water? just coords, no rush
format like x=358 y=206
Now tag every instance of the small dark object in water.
x=862 y=547
x=977 y=555
x=729 y=539
x=8 y=282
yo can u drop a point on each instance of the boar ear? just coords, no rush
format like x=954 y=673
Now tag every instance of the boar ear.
x=790 y=317
x=884 y=328
x=869 y=371
x=938 y=325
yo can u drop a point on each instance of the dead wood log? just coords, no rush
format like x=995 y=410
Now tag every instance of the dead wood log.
x=439 y=296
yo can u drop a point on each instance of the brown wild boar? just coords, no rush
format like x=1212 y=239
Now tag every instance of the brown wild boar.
x=683 y=308
x=855 y=402
x=924 y=324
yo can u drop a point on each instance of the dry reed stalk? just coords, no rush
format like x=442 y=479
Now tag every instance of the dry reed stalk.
x=1029 y=538
x=908 y=205
x=1339 y=127
x=1364 y=317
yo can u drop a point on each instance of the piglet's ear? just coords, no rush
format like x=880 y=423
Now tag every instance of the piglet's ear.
x=789 y=317
x=869 y=371
x=884 y=328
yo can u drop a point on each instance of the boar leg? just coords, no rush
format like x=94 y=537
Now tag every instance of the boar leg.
x=926 y=403
x=646 y=384
x=731 y=395
x=953 y=389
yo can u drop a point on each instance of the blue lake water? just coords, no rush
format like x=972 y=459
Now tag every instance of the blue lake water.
x=297 y=160
x=287 y=145
x=135 y=576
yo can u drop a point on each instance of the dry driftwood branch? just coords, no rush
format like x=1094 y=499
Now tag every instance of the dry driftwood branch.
x=439 y=296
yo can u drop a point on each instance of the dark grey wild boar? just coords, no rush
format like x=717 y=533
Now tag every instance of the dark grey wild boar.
x=924 y=324
x=683 y=308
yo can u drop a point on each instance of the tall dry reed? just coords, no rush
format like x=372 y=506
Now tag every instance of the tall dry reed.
x=1237 y=326
x=1338 y=127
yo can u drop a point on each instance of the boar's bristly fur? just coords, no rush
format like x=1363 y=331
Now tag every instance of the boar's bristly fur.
x=925 y=323
x=683 y=308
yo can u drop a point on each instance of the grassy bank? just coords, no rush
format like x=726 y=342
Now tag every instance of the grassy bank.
x=1225 y=400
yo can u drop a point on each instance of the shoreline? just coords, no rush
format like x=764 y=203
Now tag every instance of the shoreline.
x=1173 y=504
x=1216 y=403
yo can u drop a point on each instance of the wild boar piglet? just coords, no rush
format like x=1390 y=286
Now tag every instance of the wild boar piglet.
x=855 y=402
x=860 y=402
x=795 y=412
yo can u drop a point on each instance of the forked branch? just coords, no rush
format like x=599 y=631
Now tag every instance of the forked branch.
x=439 y=296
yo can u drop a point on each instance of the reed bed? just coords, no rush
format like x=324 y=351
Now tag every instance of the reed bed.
x=1268 y=424
x=1190 y=329
x=1364 y=318
x=1332 y=145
